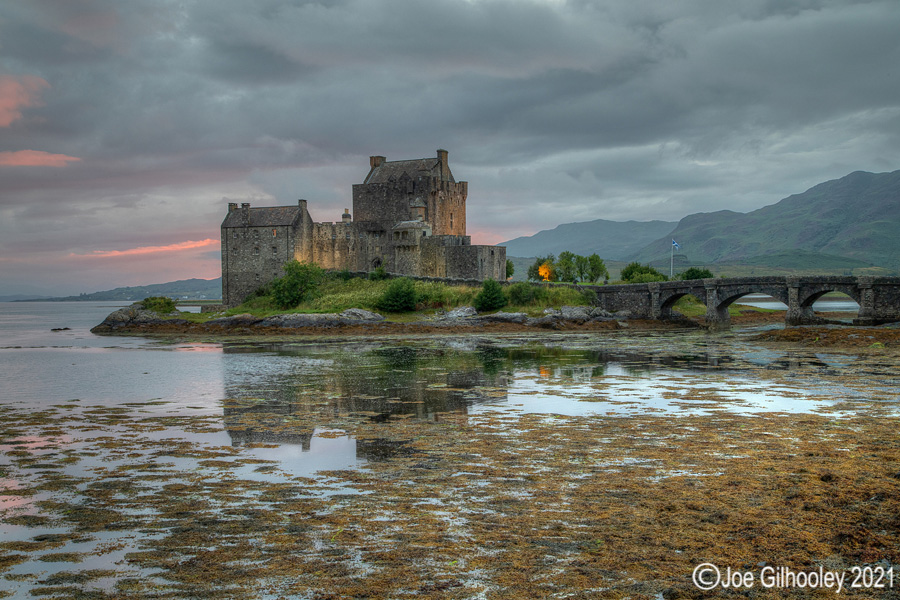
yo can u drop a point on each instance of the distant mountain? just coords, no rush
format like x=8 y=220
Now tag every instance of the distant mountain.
x=184 y=289
x=612 y=240
x=853 y=220
x=22 y=297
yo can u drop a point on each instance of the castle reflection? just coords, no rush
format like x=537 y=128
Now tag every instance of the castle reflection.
x=287 y=393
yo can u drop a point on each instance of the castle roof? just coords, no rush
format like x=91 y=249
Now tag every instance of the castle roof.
x=269 y=216
x=394 y=170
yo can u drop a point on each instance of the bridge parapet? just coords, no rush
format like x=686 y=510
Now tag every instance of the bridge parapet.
x=878 y=297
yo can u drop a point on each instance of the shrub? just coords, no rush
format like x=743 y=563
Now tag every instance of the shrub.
x=490 y=297
x=378 y=274
x=400 y=296
x=510 y=268
x=159 y=304
x=647 y=277
x=520 y=293
x=638 y=273
x=590 y=296
x=696 y=273
x=300 y=281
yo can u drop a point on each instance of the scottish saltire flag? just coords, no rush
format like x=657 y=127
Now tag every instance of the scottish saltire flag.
x=676 y=245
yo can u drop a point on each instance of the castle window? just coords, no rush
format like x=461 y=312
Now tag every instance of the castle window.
x=275 y=250
x=256 y=251
x=274 y=233
x=235 y=235
x=451 y=220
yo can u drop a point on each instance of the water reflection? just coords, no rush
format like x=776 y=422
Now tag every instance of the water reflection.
x=282 y=393
x=301 y=394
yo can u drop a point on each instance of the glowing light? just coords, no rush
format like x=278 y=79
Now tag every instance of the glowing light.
x=189 y=245
x=545 y=271
x=34 y=158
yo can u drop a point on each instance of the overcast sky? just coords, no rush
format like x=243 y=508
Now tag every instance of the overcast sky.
x=127 y=126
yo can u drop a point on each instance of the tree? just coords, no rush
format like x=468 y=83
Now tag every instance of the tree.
x=299 y=282
x=400 y=296
x=582 y=267
x=696 y=273
x=543 y=269
x=565 y=266
x=596 y=268
x=510 y=268
x=490 y=297
x=635 y=272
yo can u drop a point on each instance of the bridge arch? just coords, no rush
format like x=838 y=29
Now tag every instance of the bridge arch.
x=878 y=297
x=810 y=296
x=666 y=307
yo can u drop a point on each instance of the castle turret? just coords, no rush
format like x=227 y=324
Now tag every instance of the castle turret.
x=445 y=167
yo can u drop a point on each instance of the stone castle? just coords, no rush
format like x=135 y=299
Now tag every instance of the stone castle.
x=409 y=217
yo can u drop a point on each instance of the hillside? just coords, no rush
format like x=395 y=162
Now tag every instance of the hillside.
x=849 y=222
x=612 y=240
x=189 y=289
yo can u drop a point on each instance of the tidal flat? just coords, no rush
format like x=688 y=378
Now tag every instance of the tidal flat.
x=527 y=465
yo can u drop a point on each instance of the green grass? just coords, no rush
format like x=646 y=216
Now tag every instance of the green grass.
x=690 y=306
x=335 y=295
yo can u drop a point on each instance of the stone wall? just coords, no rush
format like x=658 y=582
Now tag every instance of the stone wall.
x=389 y=203
x=251 y=257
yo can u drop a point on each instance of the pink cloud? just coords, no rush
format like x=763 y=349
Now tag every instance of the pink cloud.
x=143 y=250
x=16 y=93
x=34 y=158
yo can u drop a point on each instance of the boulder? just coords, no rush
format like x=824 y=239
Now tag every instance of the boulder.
x=575 y=313
x=504 y=317
x=131 y=315
x=359 y=314
x=244 y=320
x=461 y=312
x=294 y=320
x=547 y=322
x=598 y=313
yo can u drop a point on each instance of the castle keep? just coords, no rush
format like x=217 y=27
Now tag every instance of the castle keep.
x=409 y=216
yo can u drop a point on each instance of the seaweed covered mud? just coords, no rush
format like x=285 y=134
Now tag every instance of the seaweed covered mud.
x=522 y=465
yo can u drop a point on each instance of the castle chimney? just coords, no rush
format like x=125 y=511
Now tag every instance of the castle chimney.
x=245 y=214
x=445 y=169
x=232 y=206
x=376 y=161
x=346 y=216
x=304 y=214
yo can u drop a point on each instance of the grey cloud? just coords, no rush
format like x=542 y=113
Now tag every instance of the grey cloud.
x=554 y=111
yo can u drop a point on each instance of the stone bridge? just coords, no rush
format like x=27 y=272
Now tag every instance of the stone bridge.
x=878 y=297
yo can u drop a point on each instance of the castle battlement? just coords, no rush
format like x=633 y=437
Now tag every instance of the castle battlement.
x=408 y=216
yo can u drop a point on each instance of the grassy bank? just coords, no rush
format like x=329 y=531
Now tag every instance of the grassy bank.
x=335 y=294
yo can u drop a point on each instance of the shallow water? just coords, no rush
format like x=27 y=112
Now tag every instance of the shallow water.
x=81 y=413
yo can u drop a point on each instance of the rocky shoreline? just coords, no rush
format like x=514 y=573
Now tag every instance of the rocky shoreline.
x=137 y=319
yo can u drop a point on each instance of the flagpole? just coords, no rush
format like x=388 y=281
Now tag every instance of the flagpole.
x=672 y=261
